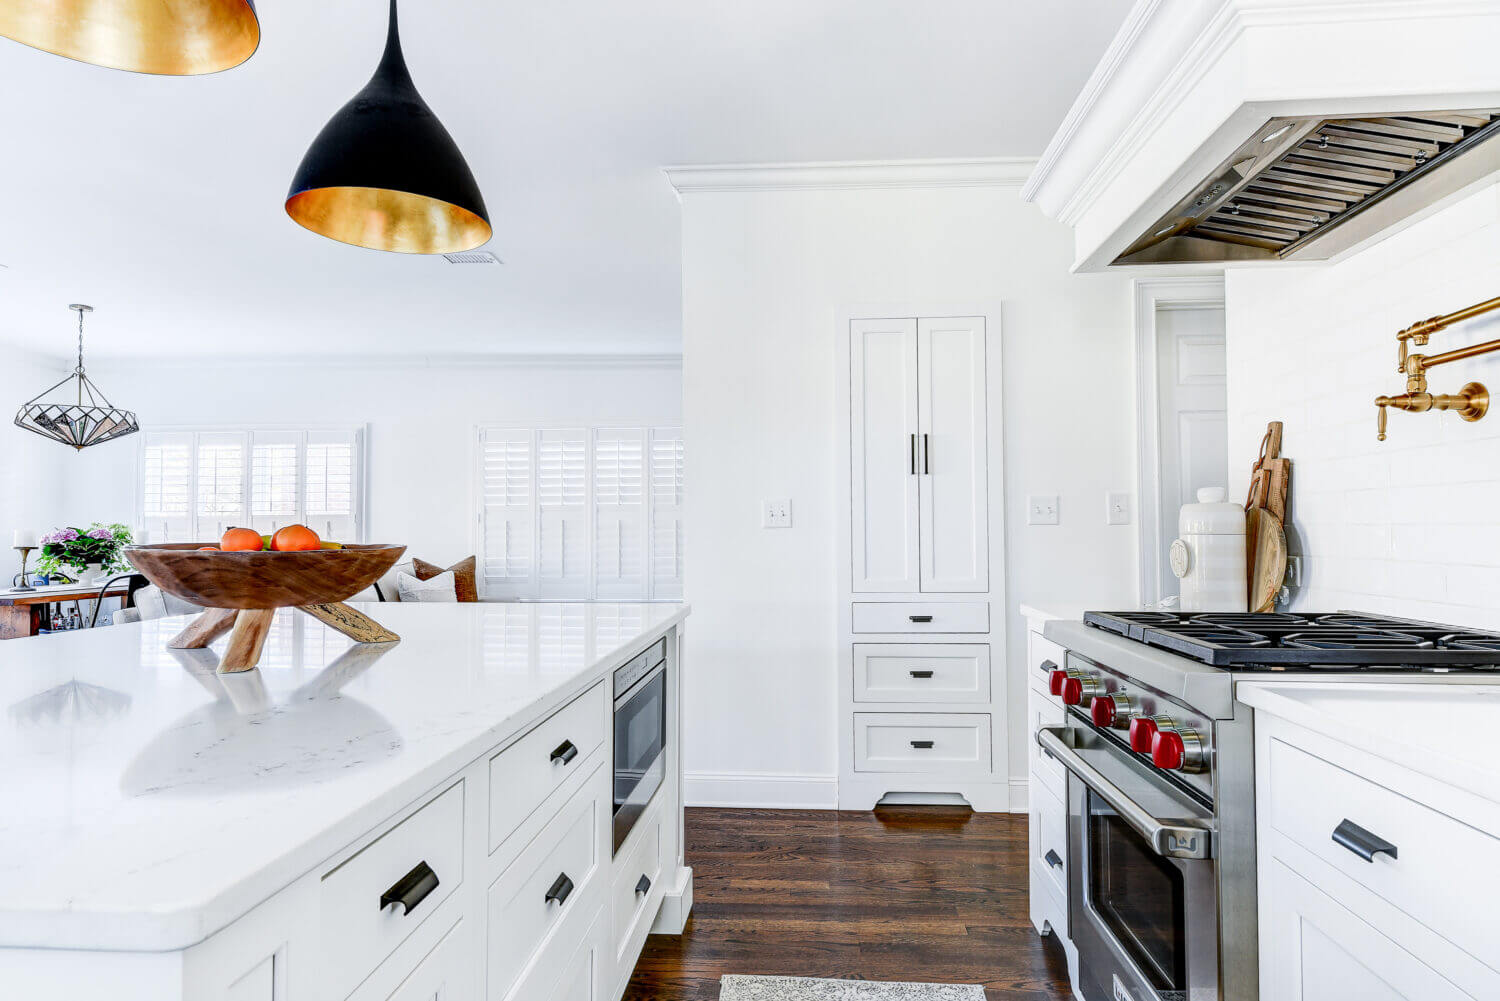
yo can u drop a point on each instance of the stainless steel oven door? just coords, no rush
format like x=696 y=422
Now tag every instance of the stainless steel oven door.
x=640 y=749
x=1143 y=897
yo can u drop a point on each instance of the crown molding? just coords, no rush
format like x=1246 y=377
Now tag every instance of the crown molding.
x=979 y=172
x=392 y=362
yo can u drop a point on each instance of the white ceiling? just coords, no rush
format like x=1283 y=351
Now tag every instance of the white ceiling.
x=159 y=200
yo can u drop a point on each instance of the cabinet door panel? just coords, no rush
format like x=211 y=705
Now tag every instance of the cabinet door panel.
x=953 y=477
x=883 y=429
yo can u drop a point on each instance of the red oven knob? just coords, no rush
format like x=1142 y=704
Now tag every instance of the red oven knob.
x=1177 y=750
x=1055 y=680
x=1078 y=686
x=1113 y=710
x=1143 y=729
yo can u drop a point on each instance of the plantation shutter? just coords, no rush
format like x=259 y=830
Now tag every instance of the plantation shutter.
x=508 y=517
x=220 y=482
x=274 y=487
x=562 y=514
x=619 y=513
x=330 y=467
x=166 y=486
x=665 y=468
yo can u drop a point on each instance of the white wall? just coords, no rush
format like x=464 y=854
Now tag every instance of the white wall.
x=1408 y=525
x=32 y=469
x=764 y=275
x=421 y=453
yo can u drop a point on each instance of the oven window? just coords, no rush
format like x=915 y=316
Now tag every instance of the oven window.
x=1139 y=895
x=640 y=732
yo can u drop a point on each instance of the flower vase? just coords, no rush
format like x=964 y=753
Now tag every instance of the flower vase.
x=89 y=574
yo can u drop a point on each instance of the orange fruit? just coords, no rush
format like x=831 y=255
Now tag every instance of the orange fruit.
x=241 y=540
x=212 y=549
x=295 y=539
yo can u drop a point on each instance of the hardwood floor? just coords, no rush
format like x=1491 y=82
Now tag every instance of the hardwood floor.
x=927 y=894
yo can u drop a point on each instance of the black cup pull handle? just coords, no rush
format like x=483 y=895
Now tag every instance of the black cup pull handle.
x=920 y=674
x=1052 y=859
x=921 y=745
x=1048 y=666
x=1361 y=842
x=920 y=618
x=411 y=889
x=642 y=885
x=561 y=889
x=565 y=752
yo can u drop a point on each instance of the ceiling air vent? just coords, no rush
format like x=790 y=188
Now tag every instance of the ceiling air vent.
x=473 y=257
x=1297 y=182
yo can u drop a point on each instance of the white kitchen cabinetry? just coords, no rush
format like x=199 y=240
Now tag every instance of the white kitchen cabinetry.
x=922 y=712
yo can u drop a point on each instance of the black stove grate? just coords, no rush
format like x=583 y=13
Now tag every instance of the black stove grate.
x=1293 y=641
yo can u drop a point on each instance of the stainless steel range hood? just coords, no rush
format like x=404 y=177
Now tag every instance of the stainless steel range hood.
x=1309 y=188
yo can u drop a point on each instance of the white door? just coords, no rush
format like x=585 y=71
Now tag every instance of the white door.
x=952 y=479
x=883 y=448
x=1193 y=447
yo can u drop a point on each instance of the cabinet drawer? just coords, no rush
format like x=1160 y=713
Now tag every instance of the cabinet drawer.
x=445 y=972
x=1443 y=874
x=921 y=672
x=951 y=743
x=1043 y=710
x=1043 y=655
x=358 y=933
x=524 y=774
x=583 y=977
x=1049 y=838
x=522 y=914
x=921 y=617
x=636 y=890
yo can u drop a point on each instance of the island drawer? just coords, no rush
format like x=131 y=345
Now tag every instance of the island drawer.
x=554 y=884
x=921 y=617
x=371 y=902
x=637 y=887
x=951 y=743
x=522 y=776
x=921 y=672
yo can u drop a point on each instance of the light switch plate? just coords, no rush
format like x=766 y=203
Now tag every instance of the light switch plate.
x=776 y=513
x=1041 y=509
x=1117 y=508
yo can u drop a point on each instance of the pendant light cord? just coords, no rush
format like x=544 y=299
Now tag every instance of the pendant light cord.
x=79 y=370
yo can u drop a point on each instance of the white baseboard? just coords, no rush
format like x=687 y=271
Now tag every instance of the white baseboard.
x=766 y=791
x=1020 y=798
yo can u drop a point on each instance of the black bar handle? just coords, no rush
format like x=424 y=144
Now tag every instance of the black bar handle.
x=921 y=745
x=920 y=674
x=1052 y=859
x=643 y=885
x=920 y=618
x=566 y=751
x=561 y=889
x=926 y=456
x=914 y=454
x=1361 y=842
x=411 y=889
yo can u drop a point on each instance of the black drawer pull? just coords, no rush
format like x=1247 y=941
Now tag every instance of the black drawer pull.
x=1048 y=666
x=1052 y=859
x=642 y=885
x=920 y=674
x=1361 y=842
x=920 y=618
x=561 y=889
x=921 y=745
x=566 y=751
x=411 y=889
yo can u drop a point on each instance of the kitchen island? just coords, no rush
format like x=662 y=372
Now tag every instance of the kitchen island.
x=347 y=821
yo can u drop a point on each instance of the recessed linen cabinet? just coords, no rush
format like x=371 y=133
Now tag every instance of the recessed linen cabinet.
x=922 y=678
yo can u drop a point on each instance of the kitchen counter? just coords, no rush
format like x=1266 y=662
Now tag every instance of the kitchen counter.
x=150 y=802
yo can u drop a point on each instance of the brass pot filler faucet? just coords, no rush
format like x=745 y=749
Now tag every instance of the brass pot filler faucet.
x=1471 y=402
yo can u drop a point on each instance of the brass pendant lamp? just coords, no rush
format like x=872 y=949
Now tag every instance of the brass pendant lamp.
x=87 y=419
x=385 y=174
x=167 y=37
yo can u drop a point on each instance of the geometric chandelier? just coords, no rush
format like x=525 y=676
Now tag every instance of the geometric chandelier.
x=88 y=419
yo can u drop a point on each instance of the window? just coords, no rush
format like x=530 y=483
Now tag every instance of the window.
x=195 y=484
x=587 y=512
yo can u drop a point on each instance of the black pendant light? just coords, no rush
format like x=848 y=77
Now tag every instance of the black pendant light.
x=169 y=37
x=87 y=419
x=385 y=174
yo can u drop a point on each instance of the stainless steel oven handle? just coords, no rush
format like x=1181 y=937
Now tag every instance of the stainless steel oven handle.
x=1174 y=839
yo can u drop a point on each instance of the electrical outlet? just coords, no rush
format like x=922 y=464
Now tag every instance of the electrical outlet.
x=776 y=514
x=1117 y=508
x=1041 y=509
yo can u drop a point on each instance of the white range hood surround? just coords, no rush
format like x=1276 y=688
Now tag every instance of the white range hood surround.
x=1186 y=83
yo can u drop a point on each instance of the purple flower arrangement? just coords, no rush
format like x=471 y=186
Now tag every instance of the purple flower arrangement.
x=79 y=547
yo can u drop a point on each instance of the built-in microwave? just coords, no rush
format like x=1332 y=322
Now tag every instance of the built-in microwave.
x=640 y=740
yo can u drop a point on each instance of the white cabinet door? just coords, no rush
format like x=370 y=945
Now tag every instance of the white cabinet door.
x=953 y=468
x=883 y=449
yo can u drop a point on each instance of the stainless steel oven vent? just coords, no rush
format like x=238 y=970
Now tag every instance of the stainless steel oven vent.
x=1308 y=188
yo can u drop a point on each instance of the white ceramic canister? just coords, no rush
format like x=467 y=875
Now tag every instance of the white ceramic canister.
x=1208 y=555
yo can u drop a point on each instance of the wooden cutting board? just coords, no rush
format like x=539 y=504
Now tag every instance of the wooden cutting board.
x=1265 y=555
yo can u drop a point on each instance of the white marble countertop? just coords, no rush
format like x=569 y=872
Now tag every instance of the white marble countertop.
x=149 y=802
x=1440 y=726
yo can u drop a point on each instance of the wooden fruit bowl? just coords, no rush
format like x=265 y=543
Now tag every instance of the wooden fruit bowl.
x=242 y=590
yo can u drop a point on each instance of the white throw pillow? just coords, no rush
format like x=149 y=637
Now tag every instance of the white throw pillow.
x=439 y=588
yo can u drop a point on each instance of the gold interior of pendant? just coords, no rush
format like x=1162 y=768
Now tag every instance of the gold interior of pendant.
x=381 y=219
x=170 y=37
